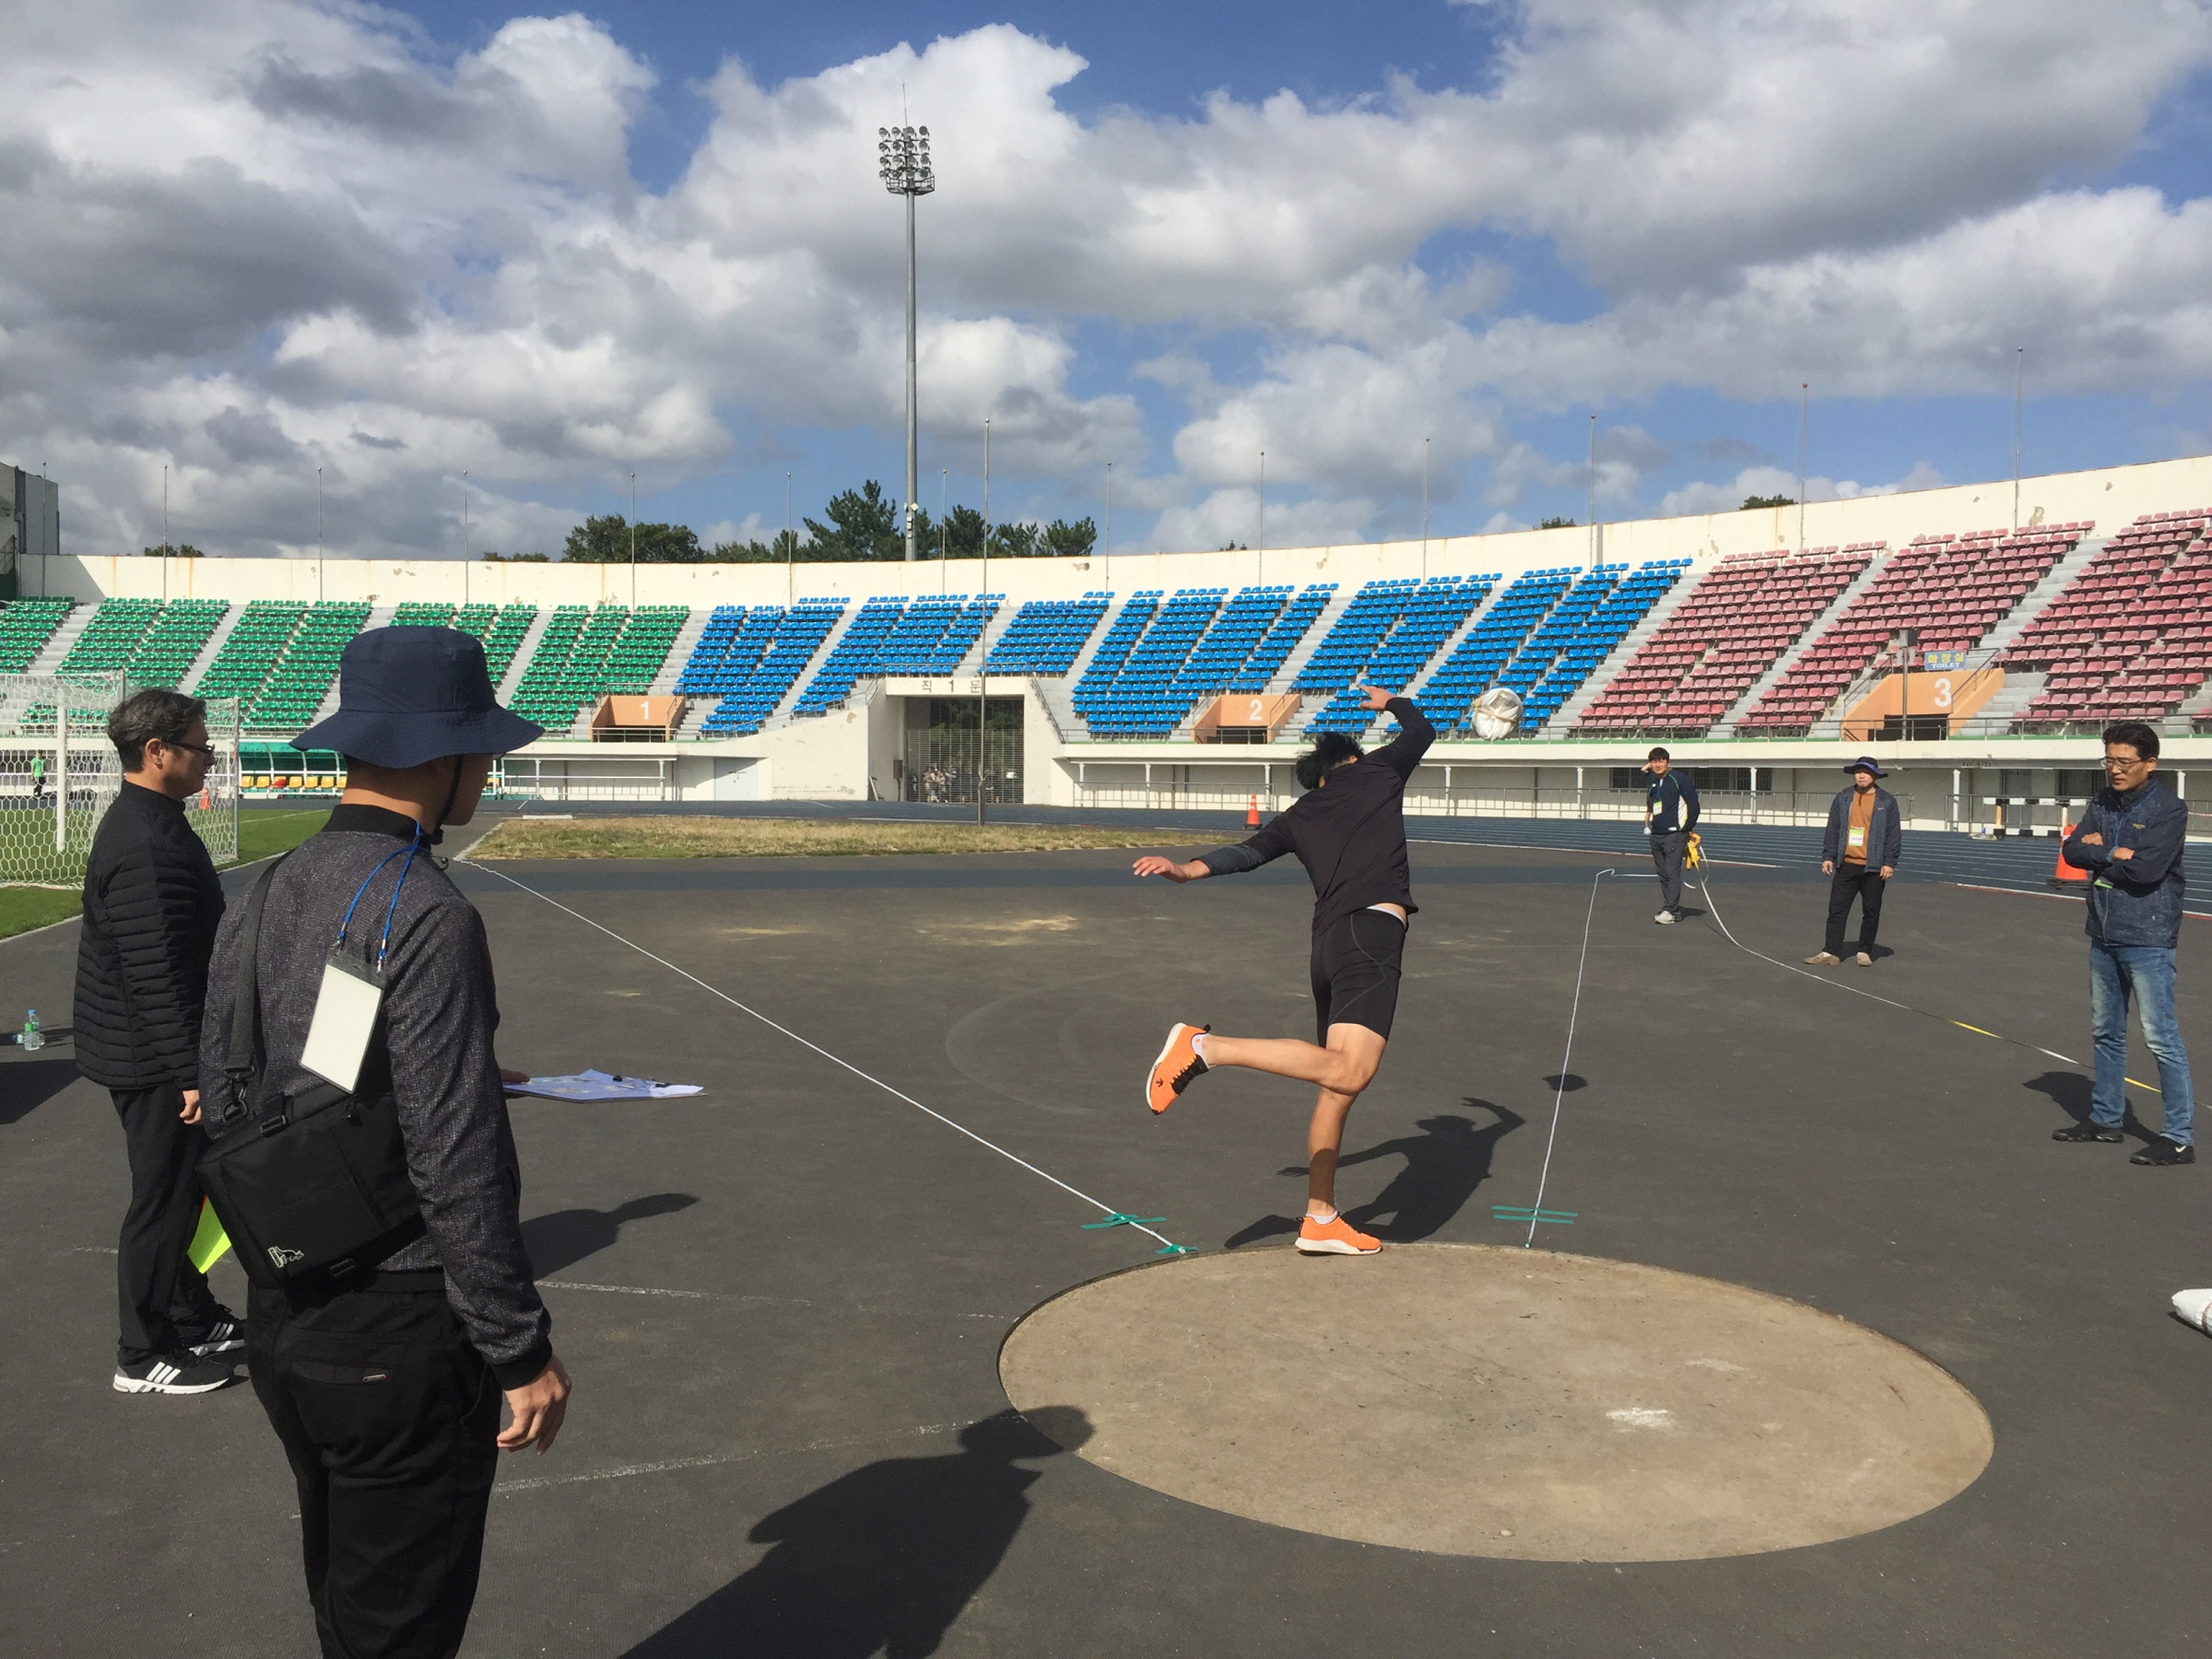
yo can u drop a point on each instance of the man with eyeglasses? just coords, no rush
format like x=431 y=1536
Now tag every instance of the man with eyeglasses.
x=2130 y=839
x=151 y=905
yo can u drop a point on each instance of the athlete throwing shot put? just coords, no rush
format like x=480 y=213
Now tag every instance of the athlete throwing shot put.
x=1348 y=829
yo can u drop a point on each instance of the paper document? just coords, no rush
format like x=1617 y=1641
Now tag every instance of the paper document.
x=602 y=1085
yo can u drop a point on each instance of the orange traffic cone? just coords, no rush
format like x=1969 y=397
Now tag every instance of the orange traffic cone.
x=2065 y=873
x=206 y=801
x=1252 y=814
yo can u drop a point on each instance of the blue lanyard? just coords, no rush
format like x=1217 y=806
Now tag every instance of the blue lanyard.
x=391 y=910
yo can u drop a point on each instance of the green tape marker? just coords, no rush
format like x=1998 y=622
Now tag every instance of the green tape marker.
x=1172 y=1249
x=1506 y=1212
x=1118 y=1219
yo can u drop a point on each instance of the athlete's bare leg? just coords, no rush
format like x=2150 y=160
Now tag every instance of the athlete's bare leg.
x=1342 y=1070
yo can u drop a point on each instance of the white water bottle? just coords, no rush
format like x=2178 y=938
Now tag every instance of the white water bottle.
x=32 y=1038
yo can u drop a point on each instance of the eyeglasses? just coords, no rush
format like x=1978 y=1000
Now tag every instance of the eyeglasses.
x=2114 y=763
x=197 y=749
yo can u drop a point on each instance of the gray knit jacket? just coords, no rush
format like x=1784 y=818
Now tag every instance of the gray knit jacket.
x=439 y=1012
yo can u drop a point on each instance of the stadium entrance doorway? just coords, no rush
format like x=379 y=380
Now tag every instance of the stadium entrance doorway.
x=942 y=750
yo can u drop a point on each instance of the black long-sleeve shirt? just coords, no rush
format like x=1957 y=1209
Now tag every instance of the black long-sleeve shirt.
x=152 y=901
x=440 y=1011
x=1349 y=833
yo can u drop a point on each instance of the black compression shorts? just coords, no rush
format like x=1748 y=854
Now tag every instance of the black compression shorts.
x=1356 y=967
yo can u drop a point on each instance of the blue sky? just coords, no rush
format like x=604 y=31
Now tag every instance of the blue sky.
x=557 y=248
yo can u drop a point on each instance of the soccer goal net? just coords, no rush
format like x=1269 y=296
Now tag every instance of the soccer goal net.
x=58 y=773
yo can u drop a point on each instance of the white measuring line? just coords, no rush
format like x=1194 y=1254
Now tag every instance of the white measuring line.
x=731 y=1296
x=1536 y=1209
x=1104 y=1209
x=1714 y=910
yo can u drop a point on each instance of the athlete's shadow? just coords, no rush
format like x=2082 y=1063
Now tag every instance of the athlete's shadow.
x=2069 y=1091
x=880 y=1560
x=563 y=1238
x=1443 y=1166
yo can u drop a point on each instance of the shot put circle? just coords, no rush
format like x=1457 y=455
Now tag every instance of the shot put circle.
x=1487 y=1400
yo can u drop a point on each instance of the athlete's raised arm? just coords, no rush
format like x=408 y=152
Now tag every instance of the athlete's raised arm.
x=1404 y=752
x=1263 y=845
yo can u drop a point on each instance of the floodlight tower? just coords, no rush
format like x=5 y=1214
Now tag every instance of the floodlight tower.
x=902 y=156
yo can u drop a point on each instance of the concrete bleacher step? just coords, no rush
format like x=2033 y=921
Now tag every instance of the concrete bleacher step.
x=57 y=647
x=1568 y=712
x=1726 y=726
x=1300 y=654
x=2055 y=582
x=679 y=651
x=524 y=652
x=199 y=663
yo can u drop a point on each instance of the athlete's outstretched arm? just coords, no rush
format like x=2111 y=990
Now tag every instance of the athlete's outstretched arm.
x=1267 y=843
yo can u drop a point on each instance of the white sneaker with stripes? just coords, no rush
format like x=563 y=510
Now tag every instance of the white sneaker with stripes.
x=177 y=1373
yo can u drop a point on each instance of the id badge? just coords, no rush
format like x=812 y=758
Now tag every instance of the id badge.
x=1857 y=836
x=345 y=1010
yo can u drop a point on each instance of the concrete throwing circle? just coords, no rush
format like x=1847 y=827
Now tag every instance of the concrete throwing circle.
x=1487 y=1400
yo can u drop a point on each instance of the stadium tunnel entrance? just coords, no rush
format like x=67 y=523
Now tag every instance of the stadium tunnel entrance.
x=949 y=740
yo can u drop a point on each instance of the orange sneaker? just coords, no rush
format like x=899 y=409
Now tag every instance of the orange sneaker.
x=1177 y=1065
x=1334 y=1236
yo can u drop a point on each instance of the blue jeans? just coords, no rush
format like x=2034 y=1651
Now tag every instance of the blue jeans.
x=2143 y=973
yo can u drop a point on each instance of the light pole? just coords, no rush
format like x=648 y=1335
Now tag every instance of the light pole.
x=1260 y=541
x=318 y=536
x=902 y=157
x=165 y=529
x=1425 y=443
x=982 y=679
x=464 y=538
x=791 y=549
x=633 y=541
x=1804 y=392
x=2019 y=377
x=1107 y=545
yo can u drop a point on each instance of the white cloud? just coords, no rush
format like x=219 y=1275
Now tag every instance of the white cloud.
x=274 y=235
x=1774 y=481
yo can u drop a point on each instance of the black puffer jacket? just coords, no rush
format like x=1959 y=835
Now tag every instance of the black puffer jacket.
x=151 y=905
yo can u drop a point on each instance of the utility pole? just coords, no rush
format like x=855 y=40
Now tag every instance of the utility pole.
x=1805 y=390
x=902 y=160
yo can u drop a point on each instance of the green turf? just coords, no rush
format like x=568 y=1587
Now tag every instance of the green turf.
x=262 y=833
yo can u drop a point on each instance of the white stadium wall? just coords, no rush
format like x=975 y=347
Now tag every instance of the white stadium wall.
x=848 y=753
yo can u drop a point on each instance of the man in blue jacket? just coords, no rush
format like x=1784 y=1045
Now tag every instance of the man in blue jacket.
x=1865 y=833
x=1670 y=813
x=2130 y=839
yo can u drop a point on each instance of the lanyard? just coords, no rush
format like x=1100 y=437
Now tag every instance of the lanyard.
x=391 y=910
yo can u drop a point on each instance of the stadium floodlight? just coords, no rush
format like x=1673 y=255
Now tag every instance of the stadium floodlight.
x=902 y=157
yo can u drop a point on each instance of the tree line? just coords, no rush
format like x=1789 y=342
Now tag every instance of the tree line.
x=862 y=526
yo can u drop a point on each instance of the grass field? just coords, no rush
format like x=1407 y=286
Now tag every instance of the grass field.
x=784 y=837
x=262 y=833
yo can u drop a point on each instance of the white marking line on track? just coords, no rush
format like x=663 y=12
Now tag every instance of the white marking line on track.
x=1984 y=886
x=1104 y=1209
x=1537 y=1210
x=666 y=1466
x=1446 y=840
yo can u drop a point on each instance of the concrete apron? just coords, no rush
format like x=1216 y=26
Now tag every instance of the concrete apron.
x=1486 y=1401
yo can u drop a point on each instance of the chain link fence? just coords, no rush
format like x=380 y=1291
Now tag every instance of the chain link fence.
x=58 y=773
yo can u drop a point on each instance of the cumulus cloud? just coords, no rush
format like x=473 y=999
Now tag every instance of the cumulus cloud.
x=275 y=236
x=1771 y=481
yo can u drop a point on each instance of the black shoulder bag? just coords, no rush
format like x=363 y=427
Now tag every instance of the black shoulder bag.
x=312 y=1187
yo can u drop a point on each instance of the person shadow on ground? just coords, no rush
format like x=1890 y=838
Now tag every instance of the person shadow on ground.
x=2070 y=1092
x=1444 y=1166
x=881 y=1560
x=563 y=1238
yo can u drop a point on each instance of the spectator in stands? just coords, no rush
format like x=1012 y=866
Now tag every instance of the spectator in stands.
x=1865 y=834
x=384 y=1386
x=152 y=903
x=1670 y=813
x=2130 y=839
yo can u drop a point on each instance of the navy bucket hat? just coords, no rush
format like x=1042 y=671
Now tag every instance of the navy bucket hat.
x=1866 y=763
x=407 y=695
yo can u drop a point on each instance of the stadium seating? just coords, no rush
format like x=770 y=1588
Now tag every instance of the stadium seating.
x=114 y=628
x=1733 y=627
x=1486 y=649
x=502 y=627
x=279 y=659
x=587 y=652
x=2131 y=636
x=1046 y=636
x=166 y=651
x=1386 y=636
x=1950 y=590
x=423 y=614
x=1094 y=688
x=1582 y=630
x=25 y=627
x=1290 y=625
x=765 y=656
x=1136 y=700
x=897 y=635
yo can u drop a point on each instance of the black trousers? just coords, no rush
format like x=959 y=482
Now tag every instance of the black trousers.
x=388 y=1416
x=1668 y=852
x=1866 y=885
x=156 y=1286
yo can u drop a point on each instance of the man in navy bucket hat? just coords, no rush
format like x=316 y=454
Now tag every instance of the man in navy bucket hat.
x=385 y=1387
x=1865 y=834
